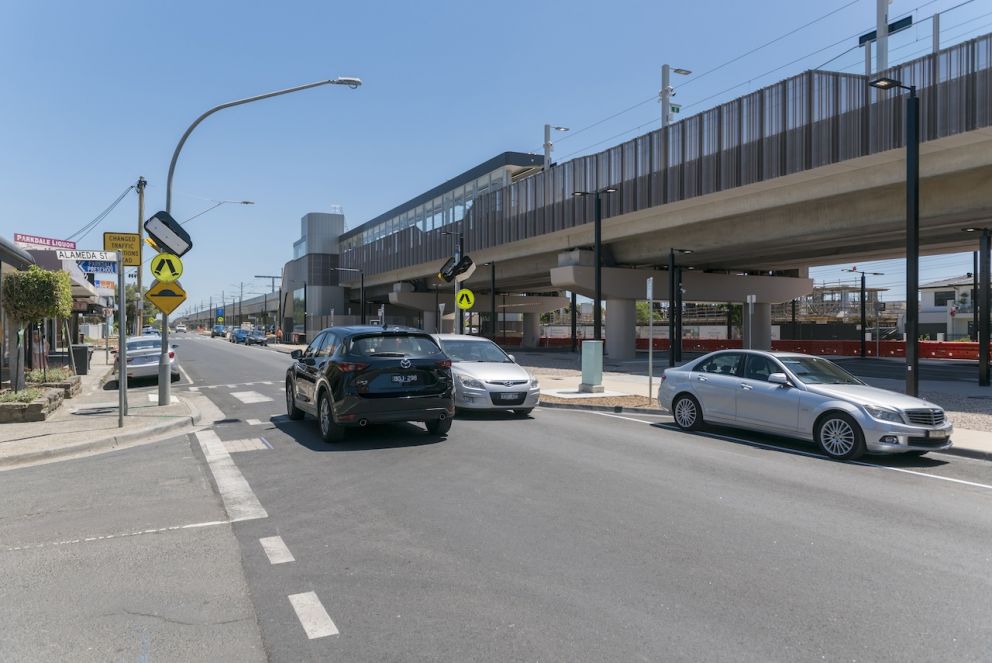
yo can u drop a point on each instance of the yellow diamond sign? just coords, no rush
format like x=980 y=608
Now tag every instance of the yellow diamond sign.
x=166 y=296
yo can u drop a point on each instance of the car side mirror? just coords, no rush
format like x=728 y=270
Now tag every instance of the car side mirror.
x=779 y=378
x=296 y=354
x=512 y=358
x=173 y=346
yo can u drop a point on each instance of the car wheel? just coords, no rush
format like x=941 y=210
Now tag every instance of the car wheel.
x=439 y=426
x=840 y=437
x=175 y=377
x=329 y=430
x=687 y=413
x=523 y=412
x=292 y=411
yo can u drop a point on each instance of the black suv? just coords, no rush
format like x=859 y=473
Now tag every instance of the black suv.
x=218 y=330
x=354 y=376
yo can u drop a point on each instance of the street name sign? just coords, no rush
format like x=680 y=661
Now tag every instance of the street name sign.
x=465 y=299
x=167 y=267
x=169 y=236
x=65 y=254
x=97 y=266
x=166 y=296
x=128 y=243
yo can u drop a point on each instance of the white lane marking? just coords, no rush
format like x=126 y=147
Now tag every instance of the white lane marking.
x=250 y=397
x=254 y=422
x=229 y=386
x=239 y=500
x=119 y=535
x=194 y=389
x=185 y=375
x=800 y=452
x=153 y=398
x=314 y=619
x=246 y=444
x=276 y=550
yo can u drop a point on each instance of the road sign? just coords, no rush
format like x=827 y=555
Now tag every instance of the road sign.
x=220 y=312
x=36 y=242
x=65 y=254
x=166 y=296
x=97 y=266
x=675 y=108
x=650 y=288
x=128 y=243
x=168 y=234
x=220 y=318
x=465 y=299
x=167 y=267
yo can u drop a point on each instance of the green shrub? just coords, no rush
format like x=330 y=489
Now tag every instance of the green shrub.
x=53 y=374
x=22 y=396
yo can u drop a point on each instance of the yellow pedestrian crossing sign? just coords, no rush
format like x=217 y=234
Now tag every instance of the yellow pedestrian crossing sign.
x=167 y=267
x=465 y=299
x=166 y=296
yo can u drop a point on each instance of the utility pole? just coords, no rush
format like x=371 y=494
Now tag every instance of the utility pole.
x=882 y=35
x=271 y=278
x=140 y=304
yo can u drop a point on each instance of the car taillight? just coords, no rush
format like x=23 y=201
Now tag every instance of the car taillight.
x=349 y=367
x=172 y=355
x=444 y=363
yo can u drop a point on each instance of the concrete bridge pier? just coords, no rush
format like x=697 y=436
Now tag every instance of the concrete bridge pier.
x=430 y=322
x=532 y=330
x=757 y=328
x=621 y=320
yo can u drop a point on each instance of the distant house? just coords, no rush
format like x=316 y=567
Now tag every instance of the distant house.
x=947 y=307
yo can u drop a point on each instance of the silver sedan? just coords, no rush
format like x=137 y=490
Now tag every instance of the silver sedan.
x=486 y=378
x=143 y=355
x=804 y=397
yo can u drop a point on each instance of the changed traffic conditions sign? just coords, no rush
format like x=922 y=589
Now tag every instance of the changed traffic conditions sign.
x=465 y=299
x=127 y=243
x=167 y=267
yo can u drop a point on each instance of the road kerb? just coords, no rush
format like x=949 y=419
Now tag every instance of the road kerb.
x=106 y=443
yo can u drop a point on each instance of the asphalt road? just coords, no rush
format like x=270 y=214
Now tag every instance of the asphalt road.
x=575 y=536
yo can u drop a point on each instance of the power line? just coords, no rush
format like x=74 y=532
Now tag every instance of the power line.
x=85 y=230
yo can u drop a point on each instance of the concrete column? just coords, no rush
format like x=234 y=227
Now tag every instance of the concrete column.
x=532 y=330
x=430 y=320
x=758 y=330
x=621 y=317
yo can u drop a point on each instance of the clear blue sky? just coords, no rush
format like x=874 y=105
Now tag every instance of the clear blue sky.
x=98 y=93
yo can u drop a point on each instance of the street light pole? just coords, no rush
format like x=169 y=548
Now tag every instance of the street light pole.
x=981 y=301
x=667 y=92
x=674 y=307
x=548 y=146
x=597 y=250
x=864 y=316
x=912 y=229
x=164 y=379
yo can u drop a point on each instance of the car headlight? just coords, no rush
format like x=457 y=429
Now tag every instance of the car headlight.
x=883 y=413
x=534 y=384
x=471 y=383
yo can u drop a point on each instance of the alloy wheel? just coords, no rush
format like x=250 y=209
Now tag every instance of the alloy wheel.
x=837 y=437
x=685 y=413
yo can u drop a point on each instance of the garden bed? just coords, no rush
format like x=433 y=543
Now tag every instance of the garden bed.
x=33 y=404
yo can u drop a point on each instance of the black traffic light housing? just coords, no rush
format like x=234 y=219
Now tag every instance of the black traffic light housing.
x=452 y=269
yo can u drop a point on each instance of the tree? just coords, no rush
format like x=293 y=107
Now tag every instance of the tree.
x=31 y=296
x=643 y=310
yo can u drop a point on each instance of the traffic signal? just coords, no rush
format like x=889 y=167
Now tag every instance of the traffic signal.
x=456 y=271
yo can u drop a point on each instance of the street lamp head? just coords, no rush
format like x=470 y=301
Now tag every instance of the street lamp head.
x=976 y=229
x=560 y=128
x=247 y=202
x=609 y=189
x=886 y=83
x=681 y=71
x=351 y=81
x=684 y=251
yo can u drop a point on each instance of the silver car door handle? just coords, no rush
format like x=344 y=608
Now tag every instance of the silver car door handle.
x=702 y=379
x=746 y=387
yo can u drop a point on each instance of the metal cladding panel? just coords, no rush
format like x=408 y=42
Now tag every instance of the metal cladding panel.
x=806 y=121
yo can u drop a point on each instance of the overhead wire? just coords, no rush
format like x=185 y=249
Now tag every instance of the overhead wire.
x=80 y=234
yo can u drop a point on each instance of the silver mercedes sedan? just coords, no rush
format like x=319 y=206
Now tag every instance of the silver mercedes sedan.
x=486 y=378
x=804 y=397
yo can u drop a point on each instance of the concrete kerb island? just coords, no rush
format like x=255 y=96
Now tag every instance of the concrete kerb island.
x=88 y=424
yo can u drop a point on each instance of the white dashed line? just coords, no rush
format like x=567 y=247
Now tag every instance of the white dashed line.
x=239 y=500
x=194 y=389
x=119 y=535
x=314 y=619
x=254 y=422
x=276 y=550
x=250 y=397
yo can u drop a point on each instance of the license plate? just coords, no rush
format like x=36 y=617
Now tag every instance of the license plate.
x=509 y=396
x=404 y=379
x=939 y=434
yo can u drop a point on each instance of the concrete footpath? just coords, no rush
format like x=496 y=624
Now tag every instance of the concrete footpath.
x=88 y=423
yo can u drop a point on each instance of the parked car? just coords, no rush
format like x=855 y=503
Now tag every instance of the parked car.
x=239 y=335
x=180 y=328
x=804 y=397
x=486 y=378
x=354 y=376
x=142 y=358
x=257 y=337
x=218 y=330
x=148 y=330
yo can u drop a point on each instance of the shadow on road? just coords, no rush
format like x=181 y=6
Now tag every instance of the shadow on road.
x=490 y=415
x=778 y=444
x=111 y=385
x=370 y=438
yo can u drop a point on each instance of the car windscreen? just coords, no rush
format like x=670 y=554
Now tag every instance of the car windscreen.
x=814 y=370
x=150 y=344
x=475 y=351
x=393 y=345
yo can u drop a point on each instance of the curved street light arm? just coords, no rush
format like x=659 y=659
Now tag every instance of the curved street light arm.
x=350 y=82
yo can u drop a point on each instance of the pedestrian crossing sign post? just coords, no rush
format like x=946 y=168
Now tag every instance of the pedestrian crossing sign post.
x=167 y=267
x=465 y=299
